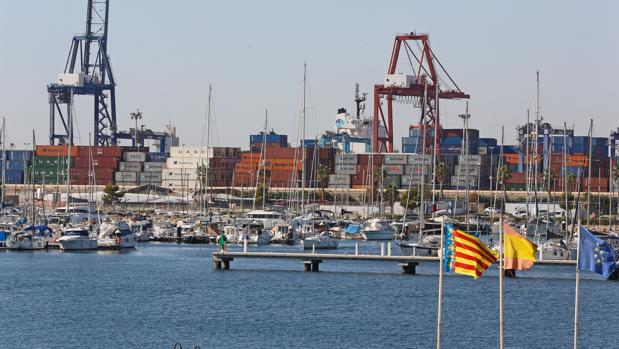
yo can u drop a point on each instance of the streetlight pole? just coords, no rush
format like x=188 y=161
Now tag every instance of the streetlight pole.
x=136 y=116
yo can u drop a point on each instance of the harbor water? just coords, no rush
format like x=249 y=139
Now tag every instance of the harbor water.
x=161 y=294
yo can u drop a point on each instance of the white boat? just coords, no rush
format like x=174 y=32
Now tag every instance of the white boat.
x=116 y=236
x=141 y=229
x=164 y=231
x=31 y=238
x=428 y=246
x=269 y=219
x=255 y=234
x=77 y=239
x=232 y=234
x=556 y=250
x=377 y=229
x=322 y=241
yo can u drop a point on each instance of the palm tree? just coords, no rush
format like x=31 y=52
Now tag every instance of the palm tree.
x=504 y=173
x=322 y=175
x=441 y=173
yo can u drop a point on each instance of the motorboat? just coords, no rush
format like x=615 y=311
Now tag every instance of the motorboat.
x=192 y=233
x=322 y=241
x=142 y=229
x=284 y=234
x=556 y=250
x=164 y=231
x=269 y=219
x=35 y=237
x=116 y=236
x=377 y=229
x=255 y=234
x=77 y=239
x=428 y=246
x=232 y=233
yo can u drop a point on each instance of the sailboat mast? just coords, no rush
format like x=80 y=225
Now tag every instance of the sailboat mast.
x=302 y=141
x=264 y=159
x=34 y=144
x=208 y=133
x=589 y=172
x=3 y=163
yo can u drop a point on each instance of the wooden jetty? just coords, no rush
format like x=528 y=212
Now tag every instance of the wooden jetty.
x=311 y=261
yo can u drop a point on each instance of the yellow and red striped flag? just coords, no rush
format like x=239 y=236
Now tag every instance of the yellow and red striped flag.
x=518 y=252
x=466 y=254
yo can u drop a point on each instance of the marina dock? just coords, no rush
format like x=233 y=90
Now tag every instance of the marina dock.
x=311 y=261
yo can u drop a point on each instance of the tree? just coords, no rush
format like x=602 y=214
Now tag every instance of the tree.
x=260 y=200
x=410 y=199
x=112 y=194
x=441 y=174
x=391 y=195
x=322 y=175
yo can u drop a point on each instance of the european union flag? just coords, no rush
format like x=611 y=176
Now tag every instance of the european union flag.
x=595 y=254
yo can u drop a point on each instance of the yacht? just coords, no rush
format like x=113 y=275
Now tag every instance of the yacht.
x=322 y=241
x=284 y=234
x=269 y=219
x=141 y=229
x=116 y=236
x=32 y=238
x=232 y=234
x=377 y=229
x=164 y=231
x=78 y=239
x=255 y=234
x=428 y=246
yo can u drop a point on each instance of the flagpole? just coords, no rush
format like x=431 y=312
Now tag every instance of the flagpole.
x=439 y=317
x=577 y=289
x=501 y=277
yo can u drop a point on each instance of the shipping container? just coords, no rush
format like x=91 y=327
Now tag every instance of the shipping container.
x=150 y=176
x=98 y=162
x=131 y=166
x=157 y=157
x=51 y=161
x=13 y=177
x=179 y=174
x=18 y=155
x=417 y=169
x=393 y=169
x=395 y=159
x=339 y=179
x=17 y=165
x=126 y=176
x=55 y=150
x=100 y=151
x=345 y=169
x=184 y=163
x=134 y=156
x=418 y=159
x=395 y=180
x=154 y=166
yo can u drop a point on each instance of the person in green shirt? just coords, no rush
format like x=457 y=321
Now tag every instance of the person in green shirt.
x=222 y=242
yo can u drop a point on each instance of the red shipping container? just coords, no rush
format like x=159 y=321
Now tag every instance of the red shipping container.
x=97 y=162
x=96 y=151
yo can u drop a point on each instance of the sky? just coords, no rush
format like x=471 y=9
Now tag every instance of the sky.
x=165 y=54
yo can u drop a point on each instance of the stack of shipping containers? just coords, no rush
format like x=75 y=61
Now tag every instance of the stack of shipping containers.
x=181 y=168
x=51 y=163
x=16 y=161
x=129 y=169
x=104 y=161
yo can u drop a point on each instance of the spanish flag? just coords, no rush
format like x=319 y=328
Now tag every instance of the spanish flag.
x=518 y=251
x=466 y=254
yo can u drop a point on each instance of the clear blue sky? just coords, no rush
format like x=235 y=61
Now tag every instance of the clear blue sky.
x=165 y=53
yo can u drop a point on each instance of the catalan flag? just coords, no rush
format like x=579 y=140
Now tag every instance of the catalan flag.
x=518 y=251
x=466 y=254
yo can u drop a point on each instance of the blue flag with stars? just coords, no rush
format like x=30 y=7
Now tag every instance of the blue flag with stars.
x=595 y=254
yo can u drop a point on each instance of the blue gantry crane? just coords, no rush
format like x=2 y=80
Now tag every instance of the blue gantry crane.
x=87 y=72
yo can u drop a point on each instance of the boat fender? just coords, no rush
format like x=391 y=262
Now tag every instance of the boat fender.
x=118 y=240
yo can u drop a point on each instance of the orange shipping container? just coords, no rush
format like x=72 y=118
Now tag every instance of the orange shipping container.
x=55 y=150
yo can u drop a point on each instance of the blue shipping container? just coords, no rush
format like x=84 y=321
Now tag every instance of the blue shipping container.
x=14 y=165
x=19 y=155
x=157 y=157
x=14 y=177
x=488 y=142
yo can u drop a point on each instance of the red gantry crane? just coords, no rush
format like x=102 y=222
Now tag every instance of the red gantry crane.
x=417 y=88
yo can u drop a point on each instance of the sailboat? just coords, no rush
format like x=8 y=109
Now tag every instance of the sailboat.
x=324 y=239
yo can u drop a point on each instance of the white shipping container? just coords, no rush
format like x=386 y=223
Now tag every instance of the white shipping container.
x=399 y=80
x=461 y=182
x=418 y=169
x=190 y=152
x=393 y=169
x=179 y=174
x=339 y=179
x=75 y=80
x=130 y=166
x=472 y=170
x=153 y=166
x=395 y=159
x=125 y=176
x=179 y=185
x=150 y=175
x=184 y=163
x=407 y=180
x=134 y=156
x=347 y=159
x=419 y=159
x=345 y=169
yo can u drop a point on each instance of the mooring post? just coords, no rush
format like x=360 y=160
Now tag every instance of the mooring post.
x=226 y=263
x=389 y=248
x=244 y=245
x=382 y=248
x=356 y=248
x=314 y=248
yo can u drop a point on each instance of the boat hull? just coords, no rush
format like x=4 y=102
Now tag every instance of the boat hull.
x=26 y=245
x=377 y=235
x=78 y=244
